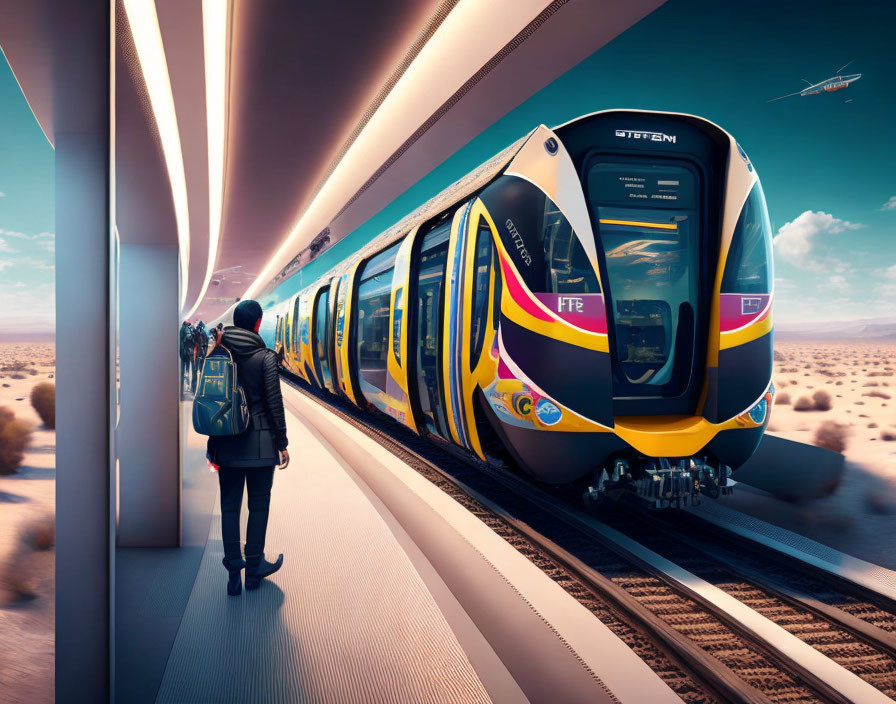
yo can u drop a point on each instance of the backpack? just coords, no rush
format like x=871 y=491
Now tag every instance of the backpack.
x=219 y=406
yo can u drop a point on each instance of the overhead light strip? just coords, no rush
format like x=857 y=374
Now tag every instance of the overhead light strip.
x=144 y=26
x=402 y=111
x=215 y=28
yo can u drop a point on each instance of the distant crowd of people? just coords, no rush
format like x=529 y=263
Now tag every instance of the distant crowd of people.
x=195 y=341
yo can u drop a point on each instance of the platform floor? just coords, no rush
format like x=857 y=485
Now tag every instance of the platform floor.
x=388 y=593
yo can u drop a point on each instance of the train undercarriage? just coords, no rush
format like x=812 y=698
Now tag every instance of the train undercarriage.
x=659 y=482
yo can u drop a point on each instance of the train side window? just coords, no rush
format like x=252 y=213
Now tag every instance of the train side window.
x=748 y=268
x=397 y=323
x=430 y=274
x=482 y=269
x=374 y=294
x=321 y=359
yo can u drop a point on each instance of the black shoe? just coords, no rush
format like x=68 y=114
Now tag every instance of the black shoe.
x=257 y=568
x=234 y=579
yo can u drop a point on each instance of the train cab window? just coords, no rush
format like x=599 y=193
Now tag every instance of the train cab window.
x=321 y=357
x=374 y=296
x=647 y=225
x=541 y=242
x=749 y=265
x=430 y=274
x=568 y=268
x=483 y=267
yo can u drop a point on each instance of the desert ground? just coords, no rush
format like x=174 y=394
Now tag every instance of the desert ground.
x=27 y=498
x=855 y=383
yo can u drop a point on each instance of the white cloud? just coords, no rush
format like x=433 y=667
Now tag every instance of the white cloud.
x=838 y=283
x=2 y=194
x=17 y=235
x=6 y=248
x=890 y=204
x=5 y=264
x=889 y=272
x=795 y=240
x=38 y=263
x=886 y=291
x=782 y=284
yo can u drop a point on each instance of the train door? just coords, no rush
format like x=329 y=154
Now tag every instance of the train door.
x=397 y=364
x=373 y=340
x=346 y=377
x=278 y=340
x=425 y=343
x=302 y=325
x=652 y=256
x=331 y=331
x=319 y=351
x=294 y=353
x=470 y=359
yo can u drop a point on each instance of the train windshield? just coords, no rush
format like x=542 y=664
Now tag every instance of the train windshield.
x=749 y=263
x=648 y=232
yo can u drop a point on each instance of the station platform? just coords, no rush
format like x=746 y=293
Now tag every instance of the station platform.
x=391 y=591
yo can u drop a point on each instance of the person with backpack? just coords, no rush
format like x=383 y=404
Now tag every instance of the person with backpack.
x=249 y=457
x=201 y=344
x=186 y=353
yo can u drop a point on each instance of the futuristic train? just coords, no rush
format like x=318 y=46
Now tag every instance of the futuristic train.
x=595 y=301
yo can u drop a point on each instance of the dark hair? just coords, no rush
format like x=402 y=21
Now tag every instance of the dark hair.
x=247 y=314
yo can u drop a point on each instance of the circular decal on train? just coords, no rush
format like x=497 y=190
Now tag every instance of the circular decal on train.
x=303 y=332
x=547 y=412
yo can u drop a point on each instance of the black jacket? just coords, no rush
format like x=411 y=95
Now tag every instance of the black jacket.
x=258 y=375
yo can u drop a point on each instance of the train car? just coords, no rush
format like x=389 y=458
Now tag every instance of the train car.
x=594 y=302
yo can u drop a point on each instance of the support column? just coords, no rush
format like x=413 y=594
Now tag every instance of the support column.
x=81 y=117
x=148 y=432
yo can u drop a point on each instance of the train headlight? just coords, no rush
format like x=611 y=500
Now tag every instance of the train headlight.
x=758 y=412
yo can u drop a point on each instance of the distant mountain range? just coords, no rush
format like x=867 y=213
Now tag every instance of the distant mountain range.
x=871 y=329
x=9 y=336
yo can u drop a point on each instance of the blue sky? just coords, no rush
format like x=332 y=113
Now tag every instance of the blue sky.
x=828 y=166
x=27 y=242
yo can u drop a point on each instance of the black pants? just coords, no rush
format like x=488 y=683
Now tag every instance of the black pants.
x=258 y=480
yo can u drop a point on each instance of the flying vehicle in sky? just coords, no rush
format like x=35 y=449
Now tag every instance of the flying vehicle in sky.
x=828 y=85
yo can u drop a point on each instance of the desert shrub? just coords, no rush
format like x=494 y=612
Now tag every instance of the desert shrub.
x=822 y=400
x=803 y=403
x=15 y=434
x=783 y=399
x=39 y=534
x=21 y=573
x=876 y=394
x=17 y=375
x=887 y=435
x=831 y=436
x=43 y=398
x=778 y=357
x=872 y=425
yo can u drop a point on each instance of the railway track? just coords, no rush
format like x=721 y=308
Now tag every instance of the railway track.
x=718 y=621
